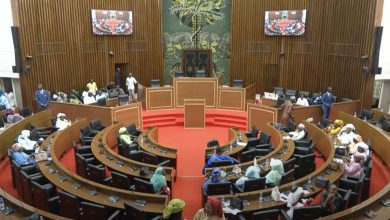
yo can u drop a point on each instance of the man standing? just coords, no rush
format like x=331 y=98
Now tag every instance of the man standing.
x=118 y=77
x=130 y=83
x=41 y=98
x=327 y=102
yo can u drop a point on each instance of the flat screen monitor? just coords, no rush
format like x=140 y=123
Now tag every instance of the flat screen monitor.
x=238 y=83
x=123 y=100
x=285 y=23
x=155 y=83
x=110 y=22
x=200 y=73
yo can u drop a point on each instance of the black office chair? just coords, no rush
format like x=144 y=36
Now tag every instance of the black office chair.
x=143 y=186
x=305 y=164
x=25 y=112
x=238 y=83
x=45 y=194
x=250 y=155
x=303 y=143
x=102 y=102
x=96 y=125
x=265 y=138
x=97 y=173
x=97 y=212
x=82 y=164
x=133 y=212
x=251 y=185
x=305 y=94
x=253 y=133
x=155 y=83
x=149 y=158
x=379 y=123
x=200 y=73
x=303 y=213
x=352 y=198
x=366 y=114
x=213 y=143
x=290 y=164
x=69 y=205
x=287 y=177
x=252 y=143
x=87 y=132
x=218 y=189
x=27 y=173
x=120 y=180
x=123 y=100
x=132 y=130
x=386 y=126
x=304 y=150
x=272 y=214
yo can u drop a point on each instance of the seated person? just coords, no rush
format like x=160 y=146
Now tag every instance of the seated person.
x=218 y=157
x=173 y=210
x=299 y=133
x=19 y=156
x=253 y=172
x=330 y=201
x=353 y=167
x=214 y=178
x=25 y=142
x=100 y=95
x=295 y=200
x=275 y=175
x=74 y=100
x=120 y=90
x=13 y=117
x=85 y=92
x=302 y=101
x=347 y=133
x=212 y=210
x=62 y=122
x=335 y=128
x=124 y=136
x=158 y=180
x=358 y=142
x=62 y=97
x=89 y=99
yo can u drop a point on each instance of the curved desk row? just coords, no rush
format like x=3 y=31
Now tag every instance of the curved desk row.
x=380 y=143
x=282 y=152
x=230 y=148
x=325 y=146
x=148 y=141
x=103 y=150
x=70 y=182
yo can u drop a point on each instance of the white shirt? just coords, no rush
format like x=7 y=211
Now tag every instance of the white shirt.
x=84 y=94
x=130 y=81
x=297 y=135
x=62 y=124
x=26 y=143
x=89 y=100
x=102 y=96
x=302 y=101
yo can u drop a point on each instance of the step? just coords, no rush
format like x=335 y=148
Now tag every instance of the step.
x=156 y=119
x=233 y=120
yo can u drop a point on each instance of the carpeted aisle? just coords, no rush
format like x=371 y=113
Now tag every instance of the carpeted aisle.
x=190 y=145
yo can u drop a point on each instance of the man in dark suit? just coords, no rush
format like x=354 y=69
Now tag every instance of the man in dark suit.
x=327 y=102
x=42 y=98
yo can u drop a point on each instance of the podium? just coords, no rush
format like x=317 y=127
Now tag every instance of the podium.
x=194 y=113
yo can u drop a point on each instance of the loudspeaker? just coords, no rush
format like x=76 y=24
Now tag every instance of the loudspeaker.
x=377 y=48
x=15 y=38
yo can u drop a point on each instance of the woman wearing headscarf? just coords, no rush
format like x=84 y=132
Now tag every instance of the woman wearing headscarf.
x=358 y=142
x=124 y=136
x=25 y=142
x=158 y=180
x=295 y=200
x=215 y=178
x=211 y=211
x=275 y=175
x=353 y=168
x=62 y=122
x=253 y=172
x=330 y=200
x=335 y=128
x=4 y=100
x=174 y=209
x=13 y=117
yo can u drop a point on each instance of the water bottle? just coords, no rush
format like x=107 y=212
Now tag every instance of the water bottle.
x=365 y=118
x=309 y=180
x=2 y=207
x=354 y=115
x=261 y=197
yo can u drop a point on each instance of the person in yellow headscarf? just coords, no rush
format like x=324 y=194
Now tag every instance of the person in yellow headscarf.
x=124 y=136
x=335 y=128
x=174 y=209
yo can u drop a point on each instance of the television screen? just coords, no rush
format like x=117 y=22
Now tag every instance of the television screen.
x=107 y=22
x=286 y=23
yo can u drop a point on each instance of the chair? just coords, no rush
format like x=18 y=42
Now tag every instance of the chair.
x=272 y=214
x=348 y=194
x=264 y=138
x=96 y=125
x=253 y=133
x=213 y=143
x=287 y=177
x=366 y=114
x=102 y=102
x=120 y=180
x=303 y=142
x=220 y=163
x=17 y=176
x=305 y=164
x=149 y=158
x=82 y=165
x=386 y=126
x=200 y=73
x=290 y=164
x=252 y=143
x=305 y=94
x=179 y=74
x=45 y=194
x=303 y=213
x=69 y=205
x=136 y=155
x=250 y=155
x=218 y=189
x=251 y=185
x=87 y=132
x=25 y=112
x=132 y=130
x=113 y=94
x=278 y=90
x=238 y=83
x=143 y=186
x=304 y=150
x=133 y=212
x=26 y=174
x=123 y=100
x=379 y=123
x=155 y=83
x=97 y=212
x=97 y=174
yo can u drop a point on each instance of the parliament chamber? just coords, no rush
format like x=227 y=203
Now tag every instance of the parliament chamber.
x=193 y=99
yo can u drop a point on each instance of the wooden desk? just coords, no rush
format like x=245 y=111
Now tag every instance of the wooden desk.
x=227 y=150
x=195 y=88
x=63 y=142
x=41 y=119
x=378 y=114
x=148 y=141
x=236 y=98
x=325 y=146
x=194 y=113
x=108 y=141
x=159 y=98
x=282 y=152
x=380 y=145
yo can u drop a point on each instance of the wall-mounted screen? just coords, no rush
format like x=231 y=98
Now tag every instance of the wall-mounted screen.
x=285 y=23
x=108 y=22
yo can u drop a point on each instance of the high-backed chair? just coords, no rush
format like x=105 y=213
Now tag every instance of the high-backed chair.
x=97 y=212
x=303 y=213
x=379 y=123
x=238 y=83
x=290 y=164
x=97 y=174
x=69 y=205
x=366 y=114
x=287 y=177
x=143 y=186
x=251 y=185
x=120 y=180
x=265 y=138
x=278 y=90
x=253 y=133
x=305 y=164
x=305 y=94
x=26 y=175
x=250 y=155
x=272 y=214
x=352 y=198
x=45 y=194
x=213 y=143
x=102 y=102
x=303 y=143
x=149 y=158
x=18 y=179
x=96 y=125
x=304 y=150
x=82 y=164
x=133 y=212
x=87 y=132
x=132 y=130
x=123 y=100
x=113 y=94
x=25 y=112
x=386 y=126
x=218 y=189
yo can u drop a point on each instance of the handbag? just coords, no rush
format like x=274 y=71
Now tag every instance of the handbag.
x=321 y=182
x=275 y=194
x=236 y=203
